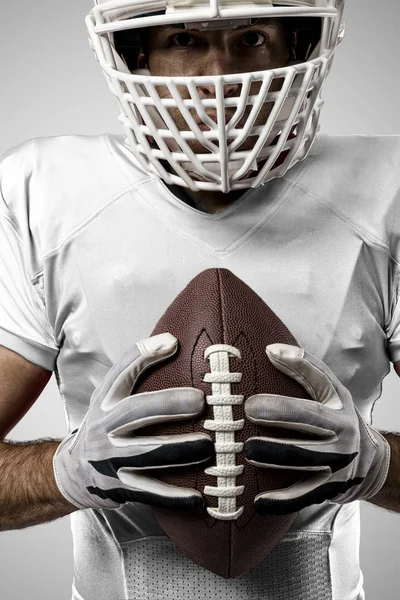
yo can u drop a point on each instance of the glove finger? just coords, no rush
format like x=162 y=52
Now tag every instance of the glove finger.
x=314 y=490
x=272 y=454
x=131 y=487
x=150 y=408
x=297 y=414
x=121 y=378
x=311 y=372
x=157 y=493
x=152 y=452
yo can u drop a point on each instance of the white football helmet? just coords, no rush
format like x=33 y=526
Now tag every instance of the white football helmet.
x=117 y=32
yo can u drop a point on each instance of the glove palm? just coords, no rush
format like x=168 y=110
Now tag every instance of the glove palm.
x=100 y=464
x=344 y=459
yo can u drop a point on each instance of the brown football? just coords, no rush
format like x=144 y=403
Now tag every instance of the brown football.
x=218 y=308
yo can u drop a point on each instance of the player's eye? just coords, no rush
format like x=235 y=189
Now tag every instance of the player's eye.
x=181 y=39
x=251 y=37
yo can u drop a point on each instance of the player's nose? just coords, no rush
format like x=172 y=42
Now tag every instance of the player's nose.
x=219 y=62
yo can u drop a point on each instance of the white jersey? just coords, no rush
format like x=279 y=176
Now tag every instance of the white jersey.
x=92 y=252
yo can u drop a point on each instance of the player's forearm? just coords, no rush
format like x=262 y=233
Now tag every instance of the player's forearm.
x=28 y=492
x=389 y=495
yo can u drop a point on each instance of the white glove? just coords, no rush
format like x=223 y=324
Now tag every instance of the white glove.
x=99 y=464
x=344 y=460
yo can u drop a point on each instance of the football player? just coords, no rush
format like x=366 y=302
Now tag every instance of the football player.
x=220 y=164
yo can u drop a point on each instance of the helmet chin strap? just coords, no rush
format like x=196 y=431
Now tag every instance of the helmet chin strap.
x=215 y=167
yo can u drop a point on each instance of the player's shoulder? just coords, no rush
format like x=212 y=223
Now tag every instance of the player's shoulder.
x=88 y=155
x=353 y=171
x=360 y=142
x=58 y=183
x=356 y=159
x=357 y=179
x=92 y=168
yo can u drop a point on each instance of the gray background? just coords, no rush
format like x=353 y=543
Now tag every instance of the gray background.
x=51 y=85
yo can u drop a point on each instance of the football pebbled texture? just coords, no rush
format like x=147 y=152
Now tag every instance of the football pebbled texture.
x=217 y=308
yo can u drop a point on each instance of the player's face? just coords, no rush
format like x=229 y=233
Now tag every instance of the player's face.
x=180 y=52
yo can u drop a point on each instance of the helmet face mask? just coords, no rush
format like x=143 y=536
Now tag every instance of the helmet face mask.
x=262 y=127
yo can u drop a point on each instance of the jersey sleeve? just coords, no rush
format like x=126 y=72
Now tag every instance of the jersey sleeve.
x=393 y=329
x=24 y=324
